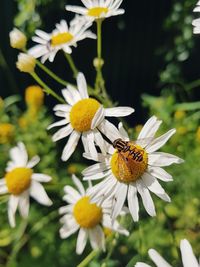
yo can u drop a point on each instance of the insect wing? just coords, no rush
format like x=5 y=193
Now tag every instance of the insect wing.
x=143 y=142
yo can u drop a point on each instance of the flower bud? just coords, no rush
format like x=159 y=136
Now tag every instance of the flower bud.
x=26 y=63
x=17 y=39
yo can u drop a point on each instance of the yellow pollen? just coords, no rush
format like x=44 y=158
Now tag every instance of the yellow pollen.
x=61 y=38
x=34 y=96
x=87 y=214
x=6 y=132
x=127 y=169
x=97 y=11
x=82 y=113
x=18 y=180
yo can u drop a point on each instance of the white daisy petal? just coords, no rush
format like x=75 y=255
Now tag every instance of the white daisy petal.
x=3 y=189
x=58 y=123
x=160 y=173
x=91 y=144
x=82 y=85
x=97 y=239
x=160 y=159
x=160 y=141
x=98 y=167
x=118 y=111
x=141 y=264
x=66 y=232
x=62 y=133
x=24 y=204
x=188 y=258
x=40 y=177
x=70 y=146
x=157 y=259
x=81 y=240
x=38 y=193
x=12 y=207
x=66 y=209
x=78 y=184
x=109 y=130
x=69 y=98
x=146 y=198
x=147 y=127
x=98 y=118
x=123 y=132
x=120 y=198
x=133 y=202
x=100 y=141
x=69 y=190
x=62 y=107
x=2 y=181
x=33 y=162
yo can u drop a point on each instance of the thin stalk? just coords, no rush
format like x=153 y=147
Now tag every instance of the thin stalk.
x=88 y=259
x=46 y=89
x=71 y=64
x=51 y=73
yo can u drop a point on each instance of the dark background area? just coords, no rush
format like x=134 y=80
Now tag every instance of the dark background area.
x=130 y=45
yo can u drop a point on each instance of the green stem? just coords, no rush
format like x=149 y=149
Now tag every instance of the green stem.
x=46 y=89
x=87 y=260
x=51 y=73
x=99 y=38
x=71 y=64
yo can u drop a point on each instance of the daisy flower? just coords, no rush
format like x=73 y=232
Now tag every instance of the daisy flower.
x=83 y=117
x=137 y=169
x=188 y=258
x=196 y=22
x=62 y=38
x=98 y=9
x=21 y=182
x=86 y=217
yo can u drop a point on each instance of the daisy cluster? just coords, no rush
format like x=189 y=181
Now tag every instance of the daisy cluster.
x=127 y=168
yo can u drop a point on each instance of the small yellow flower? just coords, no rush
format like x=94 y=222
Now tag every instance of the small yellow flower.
x=182 y=130
x=17 y=39
x=26 y=63
x=34 y=96
x=107 y=231
x=6 y=132
x=72 y=169
x=179 y=114
x=138 y=128
x=198 y=134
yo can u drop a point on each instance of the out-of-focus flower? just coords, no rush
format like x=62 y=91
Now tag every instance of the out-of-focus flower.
x=131 y=168
x=198 y=135
x=83 y=117
x=99 y=9
x=179 y=114
x=7 y=132
x=62 y=38
x=188 y=257
x=21 y=182
x=26 y=63
x=86 y=217
x=196 y=22
x=34 y=96
x=17 y=39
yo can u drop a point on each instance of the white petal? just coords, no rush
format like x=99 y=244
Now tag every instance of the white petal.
x=24 y=204
x=96 y=168
x=69 y=98
x=82 y=85
x=62 y=133
x=85 y=142
x=40 y=177
x=160 y=141
x=146 y=198
x=123 y=132
x=70 y=146
x=97 y=239
x=118 y=111
x=12 y=207
x=33 y=162
x=76 y=9
x=133 y=202
x=147 y=127
x=38 y=193
x=119 y=200
x=157 y=259
x=98 y=117
x=69 y=190
x=2 y=181
x=109 y=130
x=81 y=241
x=74 y=93
x=66 y=209
x=160 y=159
x=62 y=107
x=97 y=176
x=141 y=264
x=19 y=154
x=58 y=123
x=160 y=174
x=3 y=189
x=66 y=232
x=153 y=185
x=100 y=141
x=91 y=144
x=78 y=184
x=188 y=258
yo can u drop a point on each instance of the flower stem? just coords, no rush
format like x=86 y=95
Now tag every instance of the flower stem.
x=71 y=64
x=46 y=89
x=86 y=261
x=51 y=73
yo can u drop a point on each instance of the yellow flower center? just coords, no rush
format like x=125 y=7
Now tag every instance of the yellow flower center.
x=129 y=166
x=97 y=11
x=18 y=180
x=61 y=38
x=82 y=113
x=6 y=132
x=87 y=214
